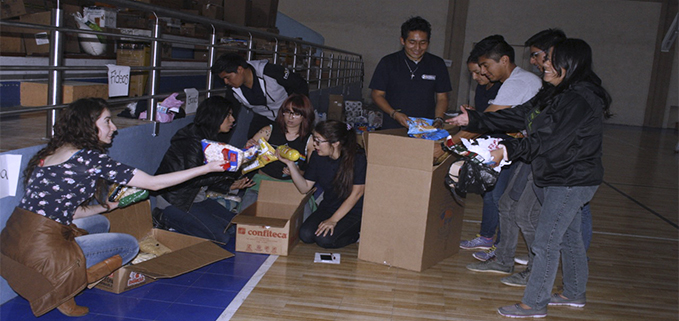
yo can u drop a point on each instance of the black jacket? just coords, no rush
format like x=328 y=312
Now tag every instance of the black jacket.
x=564 y=140
x=186 y=152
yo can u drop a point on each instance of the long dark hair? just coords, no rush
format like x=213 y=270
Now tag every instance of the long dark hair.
x=76 y=125
x=337 y=131
x=299 y=104
x=575 y=57
x=211 y=114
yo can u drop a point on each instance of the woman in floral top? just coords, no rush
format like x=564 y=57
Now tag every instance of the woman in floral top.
x=62 y=179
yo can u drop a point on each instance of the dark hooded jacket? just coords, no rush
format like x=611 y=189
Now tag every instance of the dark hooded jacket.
x=186 y=152
x=563 y=141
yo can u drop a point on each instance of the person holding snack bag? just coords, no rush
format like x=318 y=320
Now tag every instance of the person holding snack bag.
x=564 y=124
x=291 y=130
x=337 y=165
x=55 y=242
x=186 y=207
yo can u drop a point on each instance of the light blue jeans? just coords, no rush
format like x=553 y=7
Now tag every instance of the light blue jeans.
x=558 y=232
x=100 y=245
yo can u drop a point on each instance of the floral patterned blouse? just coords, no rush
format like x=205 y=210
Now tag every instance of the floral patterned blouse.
x=56 y=191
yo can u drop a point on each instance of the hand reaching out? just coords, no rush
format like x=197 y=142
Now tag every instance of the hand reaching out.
x=461 y=120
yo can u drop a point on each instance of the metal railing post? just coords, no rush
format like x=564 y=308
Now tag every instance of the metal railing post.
x=153 y=78
x=211 y=61
x=54 y=89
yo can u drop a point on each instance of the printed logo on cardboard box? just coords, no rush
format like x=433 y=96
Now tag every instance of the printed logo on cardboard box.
x=445 y=222
x=135 y=279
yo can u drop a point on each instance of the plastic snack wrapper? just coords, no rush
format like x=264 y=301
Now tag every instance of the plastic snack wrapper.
x=217 y=151
x=288 y=152
x=266 y=154
x=423 y=128
x=126 y=195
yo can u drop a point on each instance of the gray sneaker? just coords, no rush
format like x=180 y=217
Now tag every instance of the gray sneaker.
x=492 y=266
x=517 y=279
x=516 y=311
x=557 y=300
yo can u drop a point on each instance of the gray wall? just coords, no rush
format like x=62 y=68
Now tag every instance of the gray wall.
x=622 y=34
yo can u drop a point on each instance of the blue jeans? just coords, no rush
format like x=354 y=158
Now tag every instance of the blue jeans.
x=586 y=227
x=558 y=232
x=207 y=219
x=490 y=220
x=346 y=231
x=100 y=245
x=520 y=215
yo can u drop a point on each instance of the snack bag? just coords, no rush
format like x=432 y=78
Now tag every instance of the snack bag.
x=126 y=195
x=216 y=151
x=288 y=152
x=418 y=125
x=265 y=155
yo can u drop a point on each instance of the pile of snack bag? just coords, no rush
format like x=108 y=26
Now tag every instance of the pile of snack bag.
x=424 y=128
x=250 y=159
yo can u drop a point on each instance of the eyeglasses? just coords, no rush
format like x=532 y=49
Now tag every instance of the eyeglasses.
x=319 y=141
x=534 y=55
x=291 y=114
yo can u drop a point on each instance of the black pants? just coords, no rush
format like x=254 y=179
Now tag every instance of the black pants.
x=346 y=231
x=258 y=122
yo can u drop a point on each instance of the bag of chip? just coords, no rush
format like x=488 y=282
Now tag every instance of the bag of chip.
x=217 y=151
x=126 y=195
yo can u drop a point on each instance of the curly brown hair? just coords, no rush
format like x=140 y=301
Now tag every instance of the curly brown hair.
x=76 y=125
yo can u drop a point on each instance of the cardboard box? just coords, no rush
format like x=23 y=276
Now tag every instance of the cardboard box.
x=102 y=16
x=238 y=12
x=271 y=225
x=264 y=13
x=12 y=8
x=37 y=41
x=188 y=252
x=135 y=55
x=213 y=9
x=11 y=40
x=336 y=107
x=410 y=219
x=35 y=93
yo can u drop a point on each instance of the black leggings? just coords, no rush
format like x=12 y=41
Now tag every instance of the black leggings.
x=346 y=231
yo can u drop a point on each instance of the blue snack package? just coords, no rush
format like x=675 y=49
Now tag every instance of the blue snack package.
x=417 y=125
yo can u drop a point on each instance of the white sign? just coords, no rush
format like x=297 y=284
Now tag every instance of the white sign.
x=10 y=167
x=191 y=100
x=118 y=80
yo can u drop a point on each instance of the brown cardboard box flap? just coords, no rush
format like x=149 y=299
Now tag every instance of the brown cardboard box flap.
x=134 y=219
x=277 y=202
x=411 y=152
x=179 y=262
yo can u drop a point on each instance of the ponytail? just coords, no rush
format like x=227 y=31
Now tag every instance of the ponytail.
x=336 y=131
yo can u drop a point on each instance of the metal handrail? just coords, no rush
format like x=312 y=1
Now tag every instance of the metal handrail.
x=331 y=67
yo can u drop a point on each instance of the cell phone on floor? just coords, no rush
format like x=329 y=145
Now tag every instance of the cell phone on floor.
x=332 y=258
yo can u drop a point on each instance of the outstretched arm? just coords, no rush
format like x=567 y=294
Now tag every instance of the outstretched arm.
x=157 y=182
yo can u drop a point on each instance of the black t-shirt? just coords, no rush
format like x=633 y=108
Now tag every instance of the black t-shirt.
x=322 y=171
x=483 y=96
x=411 y=87
x=275 y=169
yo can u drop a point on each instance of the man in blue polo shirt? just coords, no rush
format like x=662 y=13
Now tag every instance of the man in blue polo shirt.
x=411 y=82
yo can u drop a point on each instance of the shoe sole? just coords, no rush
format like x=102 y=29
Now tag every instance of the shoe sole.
x=522 y=262
x=513 y=284
x=476 y=248
x=489 y=271
x=573 y=305
x=522 y=316
x=481 y=259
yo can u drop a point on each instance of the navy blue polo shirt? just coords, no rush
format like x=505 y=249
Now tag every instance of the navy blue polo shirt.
x=415 y=96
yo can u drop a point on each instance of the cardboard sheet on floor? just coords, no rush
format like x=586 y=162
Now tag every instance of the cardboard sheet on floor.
x=188 y=252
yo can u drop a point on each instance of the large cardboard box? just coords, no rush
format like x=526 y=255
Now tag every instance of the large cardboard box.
x=263 y=14
x=12 y=8
x=135 y=55
x=188 y=252
x=271 y=225
x=11 y=40
x=37 y=41
x=238 y=11
x=335 y=107
x=35 y=93
x=410 y=219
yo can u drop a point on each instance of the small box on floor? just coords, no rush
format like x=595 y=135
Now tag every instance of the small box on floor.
x=188 y=253
x=410 y=219
x=271 y=225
